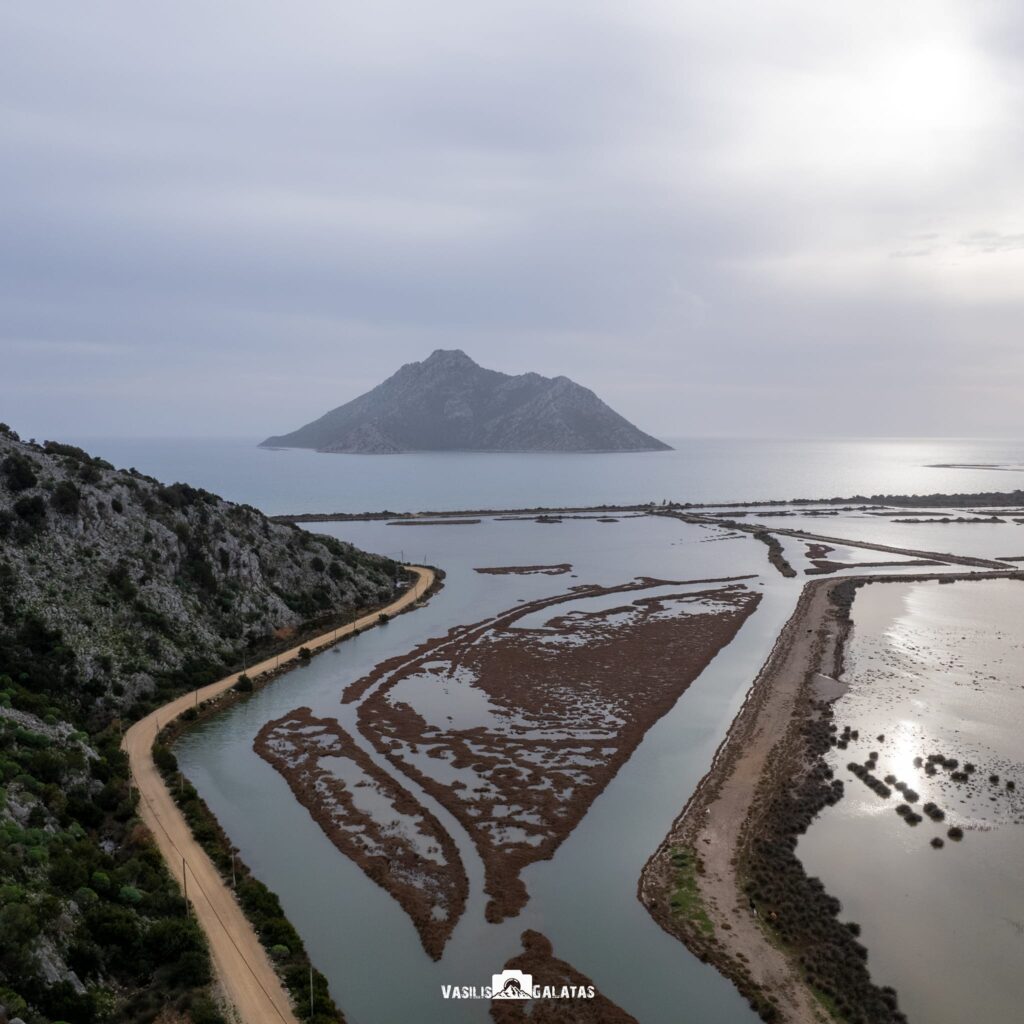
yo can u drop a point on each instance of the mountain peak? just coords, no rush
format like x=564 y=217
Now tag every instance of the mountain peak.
x=448 y=357
x=458 y=405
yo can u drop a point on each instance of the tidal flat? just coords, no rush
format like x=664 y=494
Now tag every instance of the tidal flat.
x=501 y=714
x=582 y=897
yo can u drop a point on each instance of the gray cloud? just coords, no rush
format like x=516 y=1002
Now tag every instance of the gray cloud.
x=226 y=220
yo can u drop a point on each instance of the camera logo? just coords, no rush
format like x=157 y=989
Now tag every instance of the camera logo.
x=511 y=985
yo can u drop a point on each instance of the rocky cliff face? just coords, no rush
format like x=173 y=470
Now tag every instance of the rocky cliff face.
x=116 y=593
x=144 y=586
x=449 y=403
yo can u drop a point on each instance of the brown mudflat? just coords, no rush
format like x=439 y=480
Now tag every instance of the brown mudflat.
x=538 y=959
x=526 y=570
x=565 y=702
x=411 y=856
x=433 y=522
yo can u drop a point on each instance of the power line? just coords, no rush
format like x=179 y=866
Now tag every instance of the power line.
x=197 y=884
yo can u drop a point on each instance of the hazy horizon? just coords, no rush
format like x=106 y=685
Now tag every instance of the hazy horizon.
x=792 y=221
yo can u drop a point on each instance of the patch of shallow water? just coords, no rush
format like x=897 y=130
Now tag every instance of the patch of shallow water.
x=584 y=899
x=368 y=799
x=934 y=669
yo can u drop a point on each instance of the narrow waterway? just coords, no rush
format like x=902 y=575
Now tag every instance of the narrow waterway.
x=584 y=898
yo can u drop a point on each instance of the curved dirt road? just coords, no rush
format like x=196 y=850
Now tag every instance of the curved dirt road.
x=242 y=965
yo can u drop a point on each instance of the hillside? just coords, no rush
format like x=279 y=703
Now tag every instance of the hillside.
x=117 y=592
x=449 y=403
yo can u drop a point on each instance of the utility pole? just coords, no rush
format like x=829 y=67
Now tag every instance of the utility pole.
x=232 y=867
x=310 y=991
x=184 y=883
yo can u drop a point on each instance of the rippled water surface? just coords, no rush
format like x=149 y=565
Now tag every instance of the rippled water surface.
x=934 y=669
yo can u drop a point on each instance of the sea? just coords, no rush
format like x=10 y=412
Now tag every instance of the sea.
x=697 y=470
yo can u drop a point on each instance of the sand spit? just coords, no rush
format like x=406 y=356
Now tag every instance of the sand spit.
x=947 y=520
x=433 y=522
x=1006 y=467
x=726 y=880
x=824 y=566
x=776 y=554
x=523 y=513
x=526 y=570
x=538 y=959
x=410 y=854
x=550 y=702
x=790 y=506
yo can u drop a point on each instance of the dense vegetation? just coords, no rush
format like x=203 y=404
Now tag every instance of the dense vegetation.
x=92 y=928
x=117 y=593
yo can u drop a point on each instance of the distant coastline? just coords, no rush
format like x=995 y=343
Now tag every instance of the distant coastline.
x=985 y=499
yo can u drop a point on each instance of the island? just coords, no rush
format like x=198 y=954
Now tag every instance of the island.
x=448 y=402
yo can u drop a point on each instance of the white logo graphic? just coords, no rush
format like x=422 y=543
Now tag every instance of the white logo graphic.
x=517 y=985
x=511 y=985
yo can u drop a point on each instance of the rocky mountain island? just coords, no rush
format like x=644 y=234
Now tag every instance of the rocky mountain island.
x=448 y=402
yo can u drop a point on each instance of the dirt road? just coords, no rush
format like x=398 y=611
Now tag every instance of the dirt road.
x=242 y=965
x=714 y=819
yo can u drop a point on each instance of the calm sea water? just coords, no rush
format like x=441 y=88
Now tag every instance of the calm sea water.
x=700 y=469
x=584 y=898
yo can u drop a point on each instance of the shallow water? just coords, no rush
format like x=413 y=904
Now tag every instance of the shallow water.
x=584 y=898
x=979 y=540
x=935 y=669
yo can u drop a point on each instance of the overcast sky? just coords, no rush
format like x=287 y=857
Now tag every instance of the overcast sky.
x=787 y=218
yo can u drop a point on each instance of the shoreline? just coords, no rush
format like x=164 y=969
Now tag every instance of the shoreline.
x=240 y=960
x=732 y=842
x=954 y=499
x=819 y=538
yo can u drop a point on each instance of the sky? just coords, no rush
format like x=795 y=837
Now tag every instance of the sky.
x=736 y=218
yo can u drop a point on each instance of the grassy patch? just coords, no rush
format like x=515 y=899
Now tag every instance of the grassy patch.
x=686 y=900
x=828 y=1003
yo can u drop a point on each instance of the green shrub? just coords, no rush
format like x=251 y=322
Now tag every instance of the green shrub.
x=129 y=894
x=66 y=498
x=32 y=510
x=19 y=472
x=164 y=759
